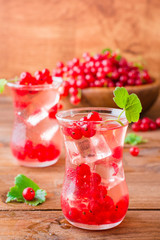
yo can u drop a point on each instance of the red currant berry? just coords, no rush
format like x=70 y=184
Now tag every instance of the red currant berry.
x=45 y=72
x=73 y=91
x=94 y=116
x=59 y=106
x=153 y=126
x=135 y=127
x=95 y=179
x=53 y=111
x=81 y=84
x=63 y=91
x=75 y=132
x=89 y=78
x=117 y=152
x=60 y=65
x=75 y=100
x=83 y=119
x=87 y=130
x=144 y=127
x=158 y=122
x=146 y=120
x=134 y=151
x=28 y=194
x=83 y=169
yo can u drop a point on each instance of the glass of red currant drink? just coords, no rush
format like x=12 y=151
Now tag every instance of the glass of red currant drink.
x=36 y=139
x=95 y=195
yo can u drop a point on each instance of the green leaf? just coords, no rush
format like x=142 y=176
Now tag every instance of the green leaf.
x=14 y=195
x=133 y=108
x=130 y=103
x=106 y=50
x=2 y=84
x=121 y=96
x=22 y=182
x=39 y=198
x=134 y=139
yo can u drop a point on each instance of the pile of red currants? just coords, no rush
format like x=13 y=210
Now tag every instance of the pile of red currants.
x=90 y=202
x=39 y=151
x=107 y=69
x=146 y=124
x=39 y=78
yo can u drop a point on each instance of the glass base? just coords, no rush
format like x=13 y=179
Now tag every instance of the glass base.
x=36 y=164
x=95 y=227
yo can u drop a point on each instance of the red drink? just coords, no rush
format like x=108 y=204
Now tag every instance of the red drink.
x=95 y=194
x=36 y=140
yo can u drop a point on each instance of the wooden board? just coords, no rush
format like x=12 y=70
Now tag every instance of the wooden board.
x=36 y=34
x=48 y=225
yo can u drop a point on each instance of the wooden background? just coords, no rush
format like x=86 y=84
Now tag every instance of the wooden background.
x=37 y=33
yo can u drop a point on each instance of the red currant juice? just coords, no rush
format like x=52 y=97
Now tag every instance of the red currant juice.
x=36 y=140
x=95 y=194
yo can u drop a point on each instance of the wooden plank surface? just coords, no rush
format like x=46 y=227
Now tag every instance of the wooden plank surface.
x=48 y=225
x=36 y=34
x=46 y=221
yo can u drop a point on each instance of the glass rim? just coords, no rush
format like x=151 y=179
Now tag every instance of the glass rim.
x=56 y=83
x=115 y=112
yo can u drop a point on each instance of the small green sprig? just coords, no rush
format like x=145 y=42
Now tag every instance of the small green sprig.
x=130 y=104
x=22 y=182
x=134 y=139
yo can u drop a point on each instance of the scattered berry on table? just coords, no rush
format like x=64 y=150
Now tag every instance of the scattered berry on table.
x=158 y=122
x=134 y=151
x=28 y=194
x=146 y=124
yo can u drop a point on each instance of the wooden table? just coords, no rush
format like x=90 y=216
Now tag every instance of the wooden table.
x=20 y=221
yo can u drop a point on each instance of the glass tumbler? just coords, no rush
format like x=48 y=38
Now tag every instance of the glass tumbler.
x=36 y=139
x=94 y=195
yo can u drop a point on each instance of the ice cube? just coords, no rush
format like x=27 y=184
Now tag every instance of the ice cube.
x=39 y=107
x=37 y=117
x=50 y=132
x=88 y=150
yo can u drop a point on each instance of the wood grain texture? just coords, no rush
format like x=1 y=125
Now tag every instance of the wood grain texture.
x=36 y=34
x=47 y=225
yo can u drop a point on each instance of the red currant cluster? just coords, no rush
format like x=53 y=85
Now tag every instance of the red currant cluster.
x=40 y=77
x=41 y=152
x=98 y=207
x=102 y=70
x=85 y=127
x=146 y=124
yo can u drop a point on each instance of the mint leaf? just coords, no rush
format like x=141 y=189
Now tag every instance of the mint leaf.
x=39 y=198
x=14 y=195
x=106 y=50
x=134 y=139
x=22 y=182
x=2 y=84
x=130 y=104
x=121 y=96
x=133 y=108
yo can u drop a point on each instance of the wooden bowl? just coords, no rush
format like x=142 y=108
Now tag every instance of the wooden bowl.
x=103 y=97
